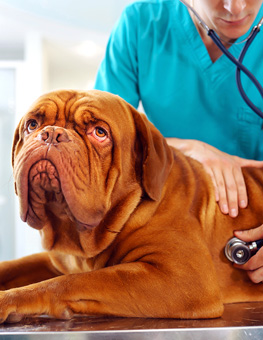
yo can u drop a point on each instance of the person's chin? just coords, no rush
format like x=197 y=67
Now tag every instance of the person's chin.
x=232 y=30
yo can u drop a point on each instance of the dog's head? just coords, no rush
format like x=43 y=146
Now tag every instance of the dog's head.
x=82 y=161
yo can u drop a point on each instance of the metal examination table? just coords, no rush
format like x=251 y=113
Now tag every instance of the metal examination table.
x=240 y=321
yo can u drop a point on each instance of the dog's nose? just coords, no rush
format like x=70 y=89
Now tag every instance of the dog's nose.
x=54 y=135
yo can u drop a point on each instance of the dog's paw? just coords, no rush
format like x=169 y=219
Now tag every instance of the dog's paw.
x=14 y=318
x=15 y=304
x=5 y=307
x=62 y=313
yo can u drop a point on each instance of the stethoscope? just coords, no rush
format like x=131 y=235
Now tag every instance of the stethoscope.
x=239 y=251
x=237 y=62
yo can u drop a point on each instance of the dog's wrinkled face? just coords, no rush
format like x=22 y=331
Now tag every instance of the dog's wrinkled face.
x=66 y=166
x=78 y=156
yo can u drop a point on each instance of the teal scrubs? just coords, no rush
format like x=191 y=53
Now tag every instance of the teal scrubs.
x=155 y=55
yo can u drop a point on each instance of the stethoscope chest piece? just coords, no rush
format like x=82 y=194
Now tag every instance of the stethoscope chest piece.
x=237 y=251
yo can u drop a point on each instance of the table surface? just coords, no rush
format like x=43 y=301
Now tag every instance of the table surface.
x=243 y=319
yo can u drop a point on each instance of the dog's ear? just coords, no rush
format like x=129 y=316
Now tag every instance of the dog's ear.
x=15 y=141
x=156 y=158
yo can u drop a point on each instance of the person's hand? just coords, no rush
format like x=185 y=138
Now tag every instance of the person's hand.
x=225 y=171
x=254 y=265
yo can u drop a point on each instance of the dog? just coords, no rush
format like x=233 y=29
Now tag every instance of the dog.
x=129 y=224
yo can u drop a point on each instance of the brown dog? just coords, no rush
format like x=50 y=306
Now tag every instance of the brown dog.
x=130 y=225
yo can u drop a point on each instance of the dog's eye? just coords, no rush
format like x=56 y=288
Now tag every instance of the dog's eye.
x=99 y=133
x=32 y=125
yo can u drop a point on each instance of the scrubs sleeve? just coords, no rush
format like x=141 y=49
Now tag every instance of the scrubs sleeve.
x=118 y=72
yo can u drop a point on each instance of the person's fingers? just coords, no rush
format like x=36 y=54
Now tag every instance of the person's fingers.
x=254 y=263
x=250 y=234
x=254 y=267
x=241 y=187
x=256 y=276
x=221 y=189
x=225 y=171
x=231 y=191
x=248 y=162
x=231 y=188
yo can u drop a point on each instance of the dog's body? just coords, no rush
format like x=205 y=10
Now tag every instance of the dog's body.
x=130 y=225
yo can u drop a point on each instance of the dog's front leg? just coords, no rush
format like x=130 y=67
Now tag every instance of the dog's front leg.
x=130 y=290
x=26 y=270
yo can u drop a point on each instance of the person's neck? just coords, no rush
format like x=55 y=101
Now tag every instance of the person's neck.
x=213 y=51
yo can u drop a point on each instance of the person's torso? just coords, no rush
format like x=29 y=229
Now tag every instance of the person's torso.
x=186 y=95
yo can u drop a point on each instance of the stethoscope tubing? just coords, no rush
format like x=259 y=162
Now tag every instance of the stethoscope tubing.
x=241 y=67
x=238 y=62
x=238 y=76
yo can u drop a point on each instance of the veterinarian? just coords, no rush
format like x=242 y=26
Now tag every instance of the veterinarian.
x=159 y=54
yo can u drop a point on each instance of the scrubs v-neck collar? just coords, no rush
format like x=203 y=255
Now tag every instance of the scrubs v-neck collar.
x=197 y=45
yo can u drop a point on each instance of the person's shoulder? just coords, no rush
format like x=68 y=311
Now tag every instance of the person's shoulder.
x=151 y=8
